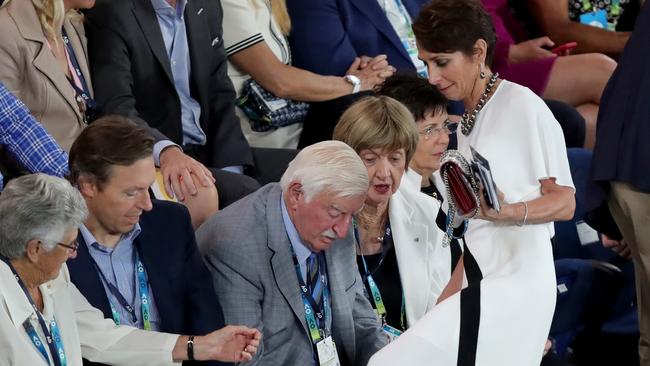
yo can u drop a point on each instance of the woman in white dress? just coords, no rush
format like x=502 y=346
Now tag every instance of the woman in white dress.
x=504 y=312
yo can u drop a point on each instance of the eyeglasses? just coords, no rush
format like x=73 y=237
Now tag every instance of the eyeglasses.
x=448 y=128
x=72 y=247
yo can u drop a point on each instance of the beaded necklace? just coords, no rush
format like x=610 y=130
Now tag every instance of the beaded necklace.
x=468 y=120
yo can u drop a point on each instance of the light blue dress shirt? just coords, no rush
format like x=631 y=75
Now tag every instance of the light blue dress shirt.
x=172 y=27
x=301 y=250
x=118 y=267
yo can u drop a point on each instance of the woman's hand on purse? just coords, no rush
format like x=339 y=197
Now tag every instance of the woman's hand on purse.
x=490 y=214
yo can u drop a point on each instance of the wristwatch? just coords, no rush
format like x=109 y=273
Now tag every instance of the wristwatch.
x=355 y=81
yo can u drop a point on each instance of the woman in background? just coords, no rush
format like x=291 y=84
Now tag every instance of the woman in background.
x=254 y=35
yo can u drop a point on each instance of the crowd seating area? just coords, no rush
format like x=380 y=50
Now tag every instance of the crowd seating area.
x=215 y=99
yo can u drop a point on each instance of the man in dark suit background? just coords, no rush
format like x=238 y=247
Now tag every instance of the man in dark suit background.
x=621 y=164
x=137 y=259
x=162 y=64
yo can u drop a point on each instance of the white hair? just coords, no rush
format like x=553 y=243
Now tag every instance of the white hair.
x=38 y=206
x=327 y=165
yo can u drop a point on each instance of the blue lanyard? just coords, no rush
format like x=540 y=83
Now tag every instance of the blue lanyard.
x=53 y=338
x=316 y=315
x=402 y=9
x=85 y=92
x=367 y=275
x=143 y=286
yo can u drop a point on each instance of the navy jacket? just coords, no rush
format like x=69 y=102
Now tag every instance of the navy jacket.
x=622 y=151
x=327 y=35
x=180 y=281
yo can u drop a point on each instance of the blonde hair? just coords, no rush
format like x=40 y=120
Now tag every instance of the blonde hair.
x=281 y=15
x=378 y=122
x=51 y=15
x=279 y=12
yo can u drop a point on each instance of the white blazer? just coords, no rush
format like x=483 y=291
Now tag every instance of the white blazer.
x=424 y=265
x=83 y=329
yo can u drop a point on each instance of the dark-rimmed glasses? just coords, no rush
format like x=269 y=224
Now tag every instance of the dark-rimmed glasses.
x=72 y=246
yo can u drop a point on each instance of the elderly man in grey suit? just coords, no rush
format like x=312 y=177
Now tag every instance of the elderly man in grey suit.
x=283 y=261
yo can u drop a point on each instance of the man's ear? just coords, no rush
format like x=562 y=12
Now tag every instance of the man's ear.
x=87 y=185
x=294 y=194
x=33 y=250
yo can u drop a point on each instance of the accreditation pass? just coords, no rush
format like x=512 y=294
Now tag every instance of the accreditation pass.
x=327 y=355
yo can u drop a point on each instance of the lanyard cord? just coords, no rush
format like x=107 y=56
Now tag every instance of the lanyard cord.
x=316 y=315
x=53 y=337
x=142 y=284
x=84 y=91
x=377 y=299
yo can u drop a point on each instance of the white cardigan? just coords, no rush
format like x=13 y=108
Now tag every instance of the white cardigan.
x=424 y=265
x=84 y=330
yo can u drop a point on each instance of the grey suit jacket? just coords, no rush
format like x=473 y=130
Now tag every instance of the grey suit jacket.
x=247 y=249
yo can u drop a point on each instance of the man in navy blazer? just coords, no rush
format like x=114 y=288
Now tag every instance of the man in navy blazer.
x=620 y=169
x=327 y=35
x=137 y=258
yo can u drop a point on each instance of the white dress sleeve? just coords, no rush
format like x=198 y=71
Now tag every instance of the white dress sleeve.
x=553 y=146
x=240 y=28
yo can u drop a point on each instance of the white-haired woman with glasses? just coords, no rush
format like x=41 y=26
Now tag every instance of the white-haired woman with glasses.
x=44 y=319
x=403 y=265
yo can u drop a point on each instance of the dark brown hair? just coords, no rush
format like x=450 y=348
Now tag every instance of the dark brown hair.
x=455 y=25
x=110 y=140
x=416 y=93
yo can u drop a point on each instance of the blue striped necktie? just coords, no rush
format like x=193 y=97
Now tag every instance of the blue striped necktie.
x=313 y=278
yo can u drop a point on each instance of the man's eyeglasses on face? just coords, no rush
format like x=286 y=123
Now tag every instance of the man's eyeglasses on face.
x=72 y=247
x=447 y=128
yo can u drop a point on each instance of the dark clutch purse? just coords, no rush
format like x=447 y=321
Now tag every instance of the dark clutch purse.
x=462 y=187
x=266 y=111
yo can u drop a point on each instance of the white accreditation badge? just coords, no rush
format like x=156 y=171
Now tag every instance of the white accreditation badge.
x=327 y=355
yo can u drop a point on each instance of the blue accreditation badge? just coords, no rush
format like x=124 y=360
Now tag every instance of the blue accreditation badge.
x=596 y=19
x=391 y=333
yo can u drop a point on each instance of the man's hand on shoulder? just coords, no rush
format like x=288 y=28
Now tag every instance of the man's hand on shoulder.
x=176 y=168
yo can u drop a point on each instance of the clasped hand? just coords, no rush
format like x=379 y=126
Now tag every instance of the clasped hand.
x=372 y=71
x=229 y=344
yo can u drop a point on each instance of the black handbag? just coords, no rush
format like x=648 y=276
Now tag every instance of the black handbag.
x=266 y=111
